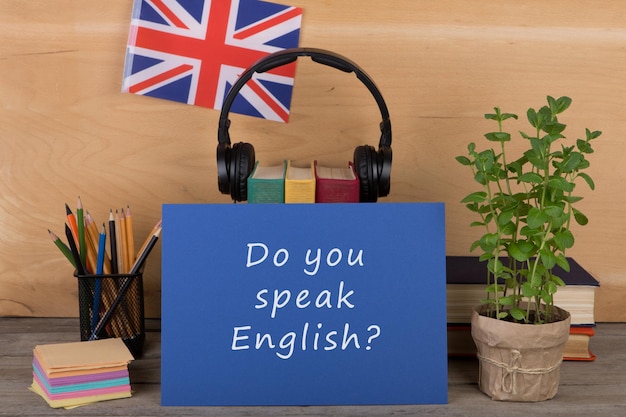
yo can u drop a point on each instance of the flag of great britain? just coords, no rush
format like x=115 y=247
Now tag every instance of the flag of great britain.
x=193 y=51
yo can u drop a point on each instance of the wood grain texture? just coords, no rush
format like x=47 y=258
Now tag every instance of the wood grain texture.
x=67 y=130
x=586 y=388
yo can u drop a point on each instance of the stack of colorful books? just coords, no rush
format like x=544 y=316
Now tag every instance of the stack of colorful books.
x=73 y=374
x=305 y=183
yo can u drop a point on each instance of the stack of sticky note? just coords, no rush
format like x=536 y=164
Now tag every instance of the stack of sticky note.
x=74 y=374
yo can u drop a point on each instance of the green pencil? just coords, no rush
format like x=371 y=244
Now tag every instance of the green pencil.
x=62 y=246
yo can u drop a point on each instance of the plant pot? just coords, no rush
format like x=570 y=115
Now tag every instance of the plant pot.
x=519 y=362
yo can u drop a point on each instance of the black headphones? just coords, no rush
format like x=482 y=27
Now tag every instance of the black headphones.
x=234 y=164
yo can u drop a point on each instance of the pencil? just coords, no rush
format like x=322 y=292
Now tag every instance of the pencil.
x=119 y=244
x=71 y=220
x=112 y=243
x=130 y=237
x=74 y=250
x=128 y=280
x=154 y=229
x=63 y=247
x=92 y=237
x=141 y=257
x=80 y=220
x=95 y=313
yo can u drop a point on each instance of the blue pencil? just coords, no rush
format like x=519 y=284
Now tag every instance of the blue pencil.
x=95 y=315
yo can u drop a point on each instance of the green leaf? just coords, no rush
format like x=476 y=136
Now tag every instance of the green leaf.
x=562 y=261
x=508 y=116
x=495 y=266
x=571 y=162
x=509 y=300
x=588 y=180
x=505 y=217
x=518 y=314
x=554 y=211
x=521 y=250
x=508 y=229
x=492 y=116
x=584 y=146
x=463 y=160
x=561 y=184
x=572 y=199
x=564 y=239
x=488 y=242
x=476 y=197
x=592 y=135
x=554 y=129
x=548 y=258
x=498 y=136
x=528 y=290
x=562 y=104
x=557 y=280
x=580 y=218
x=532 y=117
x=536 y=218
x=530 y=177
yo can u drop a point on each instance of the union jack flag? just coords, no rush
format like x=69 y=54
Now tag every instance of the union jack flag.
x=193 y=51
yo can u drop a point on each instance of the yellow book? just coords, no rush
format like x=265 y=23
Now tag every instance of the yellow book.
x=299 y=183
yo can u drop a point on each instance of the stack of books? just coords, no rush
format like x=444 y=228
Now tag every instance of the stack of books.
x=466 y=280
x=303 y=183
x=73 y=374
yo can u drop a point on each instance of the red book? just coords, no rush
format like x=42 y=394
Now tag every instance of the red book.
x=336 y=185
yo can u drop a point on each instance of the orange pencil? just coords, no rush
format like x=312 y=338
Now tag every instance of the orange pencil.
x=124 y=241
x=130 y=237
x=71 y=221
x=147 y=241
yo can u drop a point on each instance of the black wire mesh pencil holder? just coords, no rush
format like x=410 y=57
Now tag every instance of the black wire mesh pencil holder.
x=112 y=305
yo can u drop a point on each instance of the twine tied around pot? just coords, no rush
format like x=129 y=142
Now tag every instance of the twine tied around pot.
x=514 y=368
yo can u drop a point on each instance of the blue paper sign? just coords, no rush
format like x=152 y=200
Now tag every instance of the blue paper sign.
x=303 y=304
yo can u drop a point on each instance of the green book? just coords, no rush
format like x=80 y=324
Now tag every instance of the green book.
x=266 y=184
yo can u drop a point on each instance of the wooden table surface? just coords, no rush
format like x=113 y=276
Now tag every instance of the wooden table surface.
x=587 y=388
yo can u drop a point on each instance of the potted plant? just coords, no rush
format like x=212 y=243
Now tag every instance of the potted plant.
x=526 y=206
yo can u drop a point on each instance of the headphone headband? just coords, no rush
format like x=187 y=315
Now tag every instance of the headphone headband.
x=235 y=163
x=287 y=56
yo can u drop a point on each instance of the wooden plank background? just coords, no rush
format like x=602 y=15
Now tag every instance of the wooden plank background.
x=67 y=130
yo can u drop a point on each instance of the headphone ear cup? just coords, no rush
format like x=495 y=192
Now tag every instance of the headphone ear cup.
x=364 y=159
x=242 y=163
x=384 y=157
x=223 y=167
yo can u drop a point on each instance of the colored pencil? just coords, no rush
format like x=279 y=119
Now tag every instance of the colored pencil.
x=119 y=244
x=93 y=237
x=71 y=221
x=74 y=250
x=63 y=247
x=97 y=296
x=113 y=243
x=80 y=220
x=141 y=257
x=130 y=237
x=127 y=281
